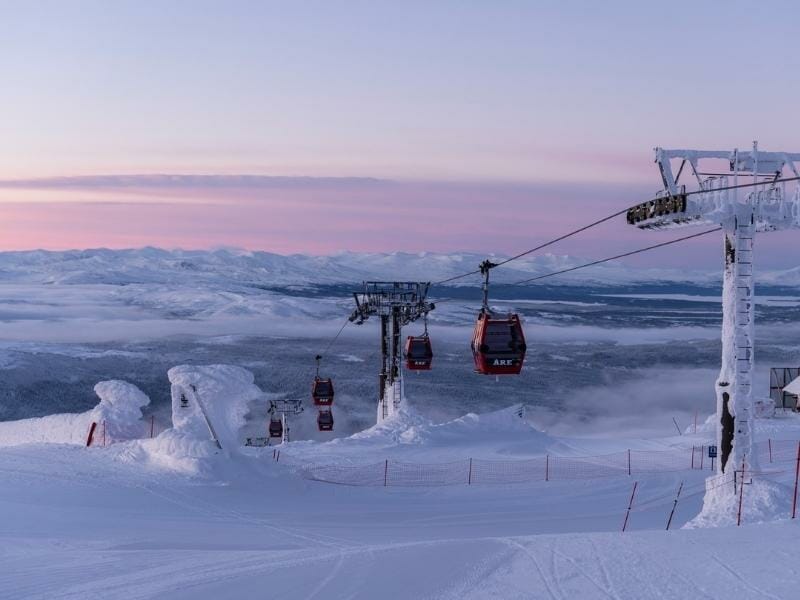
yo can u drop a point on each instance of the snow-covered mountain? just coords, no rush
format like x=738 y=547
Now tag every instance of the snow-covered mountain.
x=264 y=269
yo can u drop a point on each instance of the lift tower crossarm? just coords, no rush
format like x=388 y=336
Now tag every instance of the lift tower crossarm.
x=397 y=303
x=752 y=197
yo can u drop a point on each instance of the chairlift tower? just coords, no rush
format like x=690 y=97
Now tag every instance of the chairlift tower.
x=397 y=303
x=748 y=195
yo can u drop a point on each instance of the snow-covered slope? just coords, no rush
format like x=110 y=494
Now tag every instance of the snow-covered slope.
x=82 y=523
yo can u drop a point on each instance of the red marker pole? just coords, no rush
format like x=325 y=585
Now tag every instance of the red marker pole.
x=469 y=477
x=385 y=472
x=629 y=462
x=152 y=425
x=769 y=443
x=547 y=467
x=104 y=434
x=90 y=435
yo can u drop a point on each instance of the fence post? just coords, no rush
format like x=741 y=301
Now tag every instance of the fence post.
x=692 y=457
x=385 y=472
x=769 y=443
x=796 y=473
x=547 y=467
x=152 y=425
x=469 y=477
x=629 y=462
x=674 y=505
x=278 y=456
x=741 y=495
x=630 y=505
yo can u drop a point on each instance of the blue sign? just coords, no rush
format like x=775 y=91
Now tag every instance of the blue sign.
x=712 y=452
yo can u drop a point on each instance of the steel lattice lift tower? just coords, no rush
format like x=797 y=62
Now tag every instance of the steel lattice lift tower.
x=747 y=196
x=397 y=303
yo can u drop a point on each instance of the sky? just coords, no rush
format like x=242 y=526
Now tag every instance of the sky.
x=376 y=126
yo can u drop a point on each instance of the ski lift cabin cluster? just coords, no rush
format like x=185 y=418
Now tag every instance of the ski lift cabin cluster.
x=322 y=394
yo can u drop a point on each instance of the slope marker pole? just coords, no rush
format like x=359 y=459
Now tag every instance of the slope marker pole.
x=741 y=496
x=630 y=505
x=674 y=505
x=796 y=473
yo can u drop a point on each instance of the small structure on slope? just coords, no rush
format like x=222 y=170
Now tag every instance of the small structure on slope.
x=793 y=389
x=779 y=379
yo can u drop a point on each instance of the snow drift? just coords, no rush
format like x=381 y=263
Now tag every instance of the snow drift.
x=120 y=407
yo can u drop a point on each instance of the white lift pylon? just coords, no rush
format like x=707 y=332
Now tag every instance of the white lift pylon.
x=397 y=303
x=744 y=192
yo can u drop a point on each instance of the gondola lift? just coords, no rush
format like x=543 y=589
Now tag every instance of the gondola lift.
x=322 y=388
x=325 y=419
x=498 y=342
x=275 y=427
x=419 y=352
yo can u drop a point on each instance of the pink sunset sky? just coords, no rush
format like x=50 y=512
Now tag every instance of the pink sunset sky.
x=314 y=128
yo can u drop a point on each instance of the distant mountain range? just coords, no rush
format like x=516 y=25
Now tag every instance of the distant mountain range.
x=263 y=269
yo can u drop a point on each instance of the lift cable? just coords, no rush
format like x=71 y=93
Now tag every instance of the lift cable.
x=603 y=220
x=610 y=258
x=333 y=340
x=580 y=230
x=539 y=247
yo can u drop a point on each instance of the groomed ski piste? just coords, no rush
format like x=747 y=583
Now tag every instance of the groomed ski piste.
x=177 y=517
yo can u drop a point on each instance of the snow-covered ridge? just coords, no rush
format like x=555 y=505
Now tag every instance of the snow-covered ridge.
x=264 y=269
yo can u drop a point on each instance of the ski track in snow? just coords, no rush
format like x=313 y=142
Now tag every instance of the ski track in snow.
x=103 y=523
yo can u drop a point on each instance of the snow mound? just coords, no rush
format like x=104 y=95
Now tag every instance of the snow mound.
x=762 y=501
x=409 y=436
x=503 y=422
x=211 y=397
x=68 y=428
x=120 y=407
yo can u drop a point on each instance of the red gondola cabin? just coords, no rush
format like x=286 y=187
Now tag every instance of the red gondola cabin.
x=498 y=345
x=275 y=428
x=322 y=392
x=419 y=353
x=325 y=420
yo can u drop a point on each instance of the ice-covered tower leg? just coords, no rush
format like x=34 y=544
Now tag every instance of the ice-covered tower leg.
x=734 y=386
